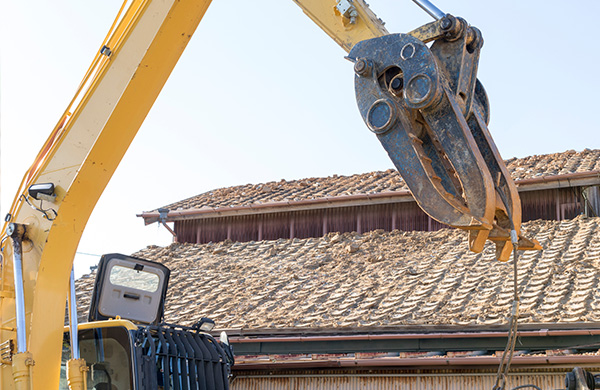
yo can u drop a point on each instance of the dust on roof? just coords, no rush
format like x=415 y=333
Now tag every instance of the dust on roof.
x=375 y=182
x=380 y=279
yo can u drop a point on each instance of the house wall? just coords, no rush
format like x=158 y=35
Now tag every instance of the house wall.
x=593 y=197
x=394 y=380
x=550 y=204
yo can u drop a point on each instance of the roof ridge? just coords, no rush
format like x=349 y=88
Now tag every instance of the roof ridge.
x=530 y=167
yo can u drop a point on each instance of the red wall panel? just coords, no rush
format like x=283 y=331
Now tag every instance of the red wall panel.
x=552 y=204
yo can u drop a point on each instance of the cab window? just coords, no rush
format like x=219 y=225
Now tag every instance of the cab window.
x=107 y=353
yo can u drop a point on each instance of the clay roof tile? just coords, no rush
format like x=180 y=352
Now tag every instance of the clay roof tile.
x=397 y=278
x=375 y=182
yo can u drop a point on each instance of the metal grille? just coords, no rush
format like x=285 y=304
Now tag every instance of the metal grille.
x=180 y=359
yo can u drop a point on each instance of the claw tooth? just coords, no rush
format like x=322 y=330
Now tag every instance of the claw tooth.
x=416 y=139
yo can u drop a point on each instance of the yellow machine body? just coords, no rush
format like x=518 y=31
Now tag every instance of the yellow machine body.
x=83 y=151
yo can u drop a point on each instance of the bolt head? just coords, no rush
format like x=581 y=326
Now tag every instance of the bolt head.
x=446 y=23
x=362 y=67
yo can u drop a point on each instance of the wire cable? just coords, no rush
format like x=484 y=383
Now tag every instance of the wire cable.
x=526 y=386
x=509 y=350
x=40 y=209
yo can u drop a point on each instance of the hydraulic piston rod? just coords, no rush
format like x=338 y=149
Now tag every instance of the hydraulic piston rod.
x=73 y=317
x=430 y=8
x=22 y=361
x=16 y=232
x=76 y=367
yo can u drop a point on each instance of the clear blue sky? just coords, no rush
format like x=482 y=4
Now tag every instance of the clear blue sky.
x=262 y=94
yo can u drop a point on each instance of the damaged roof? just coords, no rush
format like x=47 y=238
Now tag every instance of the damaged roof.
x=379 y=279
x=377 y=182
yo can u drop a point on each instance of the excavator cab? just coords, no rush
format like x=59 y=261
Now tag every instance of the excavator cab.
x=126 y=345
x=108 y=352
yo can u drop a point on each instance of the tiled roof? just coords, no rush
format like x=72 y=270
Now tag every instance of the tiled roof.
x=380 y=279
x=375 y=182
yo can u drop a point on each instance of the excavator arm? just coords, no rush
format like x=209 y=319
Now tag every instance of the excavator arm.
x=430 y=113
x=60 y=190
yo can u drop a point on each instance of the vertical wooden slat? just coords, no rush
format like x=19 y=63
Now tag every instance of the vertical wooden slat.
x=440 y=380
x=562 y=203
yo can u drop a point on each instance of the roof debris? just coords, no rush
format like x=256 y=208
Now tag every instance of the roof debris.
x=375 y=182
x=388 y=279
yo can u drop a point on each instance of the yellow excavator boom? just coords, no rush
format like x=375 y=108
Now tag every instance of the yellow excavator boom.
x=425 y=105
x=80 y=156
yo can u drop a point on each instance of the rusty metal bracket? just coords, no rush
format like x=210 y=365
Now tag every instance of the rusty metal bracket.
x=448 y=27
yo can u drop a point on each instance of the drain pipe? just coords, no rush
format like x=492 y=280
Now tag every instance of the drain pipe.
x=162 y=219
x=76 y=367
x=22 y=361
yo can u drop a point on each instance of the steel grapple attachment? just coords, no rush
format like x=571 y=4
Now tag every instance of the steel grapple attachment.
x=430 y=113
